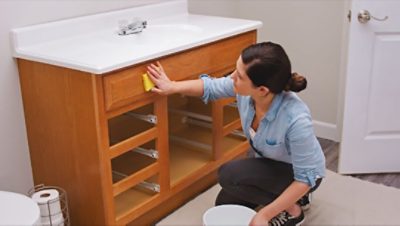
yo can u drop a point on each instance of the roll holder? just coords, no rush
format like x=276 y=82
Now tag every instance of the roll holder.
x=62 y=198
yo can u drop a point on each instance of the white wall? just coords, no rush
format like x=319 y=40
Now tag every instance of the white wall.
x=312 y=34
x=15 y=167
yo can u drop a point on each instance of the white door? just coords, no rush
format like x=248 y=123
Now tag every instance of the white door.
x=371 y=123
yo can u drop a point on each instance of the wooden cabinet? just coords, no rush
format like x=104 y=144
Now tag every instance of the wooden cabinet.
x=126 y=156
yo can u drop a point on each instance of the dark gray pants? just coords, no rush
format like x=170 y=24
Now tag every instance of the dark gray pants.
x=254 y=181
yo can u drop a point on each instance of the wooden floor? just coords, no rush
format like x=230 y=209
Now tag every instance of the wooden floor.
x=331 y=150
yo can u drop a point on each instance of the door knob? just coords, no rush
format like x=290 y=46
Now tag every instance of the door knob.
x=364 y=16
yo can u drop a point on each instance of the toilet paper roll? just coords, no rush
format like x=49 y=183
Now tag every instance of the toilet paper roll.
x=49 y=204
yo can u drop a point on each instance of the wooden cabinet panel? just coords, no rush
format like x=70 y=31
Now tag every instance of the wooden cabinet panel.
x=125 y=86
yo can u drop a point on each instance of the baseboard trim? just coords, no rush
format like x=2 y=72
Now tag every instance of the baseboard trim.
x=326 y=130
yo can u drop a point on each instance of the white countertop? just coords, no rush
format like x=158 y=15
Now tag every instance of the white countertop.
x=91 y=43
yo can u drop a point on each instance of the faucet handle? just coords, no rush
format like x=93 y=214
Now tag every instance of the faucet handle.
x=144 y=23
x=137 y=22
x=136 y=26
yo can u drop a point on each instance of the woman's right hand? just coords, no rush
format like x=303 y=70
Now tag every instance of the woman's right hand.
x=163 y=85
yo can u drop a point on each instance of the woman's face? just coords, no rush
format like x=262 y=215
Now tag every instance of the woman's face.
x=242 y=83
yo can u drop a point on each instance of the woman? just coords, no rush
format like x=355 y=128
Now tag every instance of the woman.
x=289 y=162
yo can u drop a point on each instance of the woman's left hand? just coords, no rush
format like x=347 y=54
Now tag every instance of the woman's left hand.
x=163 y=85
x=259 y=220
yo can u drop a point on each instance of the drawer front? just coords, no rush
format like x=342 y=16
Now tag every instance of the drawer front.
x=124 y=87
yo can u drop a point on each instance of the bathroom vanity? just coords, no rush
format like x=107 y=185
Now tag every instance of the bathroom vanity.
x=126 y=156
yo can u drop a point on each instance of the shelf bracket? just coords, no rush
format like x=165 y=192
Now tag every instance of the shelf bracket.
x=148 y=118
x=148 y=152
x=151 y=186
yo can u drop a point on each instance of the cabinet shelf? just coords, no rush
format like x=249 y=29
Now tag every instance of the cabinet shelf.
x=204 y=135
x=129 y=163
x=194 y=107
x=186 y=159
x=132 y=199
x=132 y=167
x=131 y=123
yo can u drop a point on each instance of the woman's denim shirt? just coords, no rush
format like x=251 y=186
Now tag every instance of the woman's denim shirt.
x=284 y=134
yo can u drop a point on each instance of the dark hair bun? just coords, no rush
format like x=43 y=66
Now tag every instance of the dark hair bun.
x=296 y=83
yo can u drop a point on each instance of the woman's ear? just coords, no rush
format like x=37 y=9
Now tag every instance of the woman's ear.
x=262 y=90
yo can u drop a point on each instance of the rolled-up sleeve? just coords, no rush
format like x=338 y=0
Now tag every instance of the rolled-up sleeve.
x=215 y=88
x=307 y=158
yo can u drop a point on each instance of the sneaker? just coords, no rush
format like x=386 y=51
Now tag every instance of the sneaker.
x=285 y=219
x=305 y=202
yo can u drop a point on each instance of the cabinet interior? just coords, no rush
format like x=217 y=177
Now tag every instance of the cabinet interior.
x=130 y=123
x=132 y=162
x=191 y=135
x=135 y=197
x=190 y=141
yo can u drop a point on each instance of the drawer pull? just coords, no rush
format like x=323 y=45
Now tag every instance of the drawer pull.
x=148 y=152
x=148 y=118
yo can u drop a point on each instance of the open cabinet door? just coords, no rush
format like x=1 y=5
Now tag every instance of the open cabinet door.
x=371 y=126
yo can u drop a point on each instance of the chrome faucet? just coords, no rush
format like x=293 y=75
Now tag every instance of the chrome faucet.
x=134 y=27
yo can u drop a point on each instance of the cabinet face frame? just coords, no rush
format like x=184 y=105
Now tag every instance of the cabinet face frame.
x=121 y=88
x=66 y=113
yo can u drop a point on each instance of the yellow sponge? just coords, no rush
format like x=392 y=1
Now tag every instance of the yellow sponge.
x=147 y=83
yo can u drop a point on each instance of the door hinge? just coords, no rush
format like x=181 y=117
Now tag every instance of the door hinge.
x=349 y=15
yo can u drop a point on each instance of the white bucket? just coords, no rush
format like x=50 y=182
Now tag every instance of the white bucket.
x=228 y=215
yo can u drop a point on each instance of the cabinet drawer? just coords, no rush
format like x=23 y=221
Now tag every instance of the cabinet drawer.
x=125 y=86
